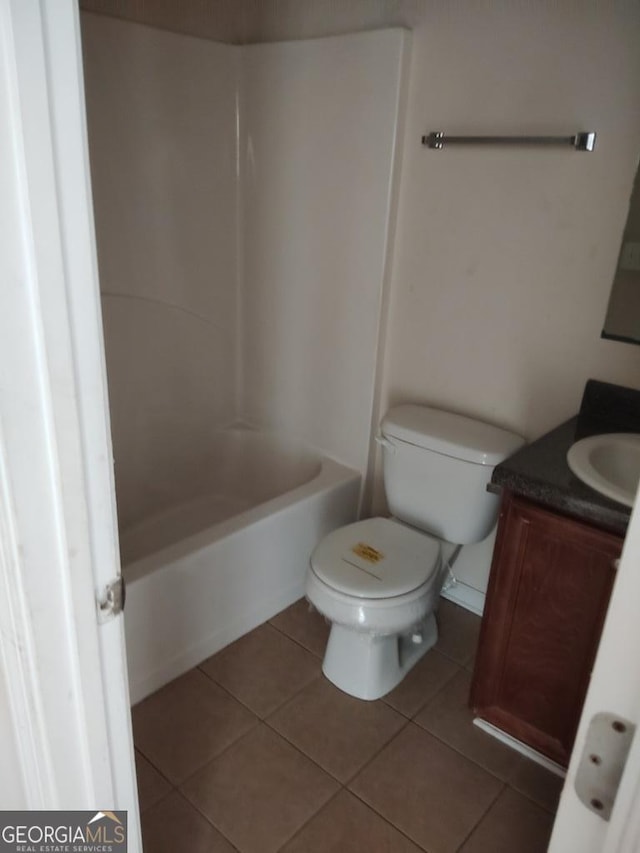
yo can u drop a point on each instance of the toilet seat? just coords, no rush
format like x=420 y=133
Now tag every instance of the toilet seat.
x=376 y=559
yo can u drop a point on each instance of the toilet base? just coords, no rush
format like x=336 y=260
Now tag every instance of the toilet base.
x=368 y=666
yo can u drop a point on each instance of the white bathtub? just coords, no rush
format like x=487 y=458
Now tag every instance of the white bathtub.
x=203 y=573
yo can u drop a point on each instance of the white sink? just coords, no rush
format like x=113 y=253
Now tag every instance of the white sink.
x=609 y=463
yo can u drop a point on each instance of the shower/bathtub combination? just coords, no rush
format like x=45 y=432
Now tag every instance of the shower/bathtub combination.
x=244 y=206
x=203 y=573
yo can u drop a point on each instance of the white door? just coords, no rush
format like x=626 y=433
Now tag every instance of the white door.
x=65 y=723
x=615 y=687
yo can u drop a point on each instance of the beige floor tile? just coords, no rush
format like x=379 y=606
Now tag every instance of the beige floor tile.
x=514 y=823
x=421 y=683
x=427 y=790
x=152 y=786
x=335 y=730
x=346 y=825
x=174 y=826
x=470 y=664
x=449 y=718
x=187 y=723
x=260 y=792
x=458 y=631
x=537 y=783
x=263 y=669
x=305 y=625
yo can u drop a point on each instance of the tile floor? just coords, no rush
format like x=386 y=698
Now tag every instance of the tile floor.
x=255 y=751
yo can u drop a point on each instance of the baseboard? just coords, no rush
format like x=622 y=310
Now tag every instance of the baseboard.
x=187 y=658
x=520 y=747
x=465 y=596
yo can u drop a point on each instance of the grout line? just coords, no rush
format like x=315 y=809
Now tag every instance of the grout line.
x=341 y=782
x=218 y=755
x=252 y=710
x=291 y=699
x=299 y=749
x=461 y=664
x=308 y=821
x=225 y=690
x=153 y=764
x=206 y=817
x=386 y=820
x=295 y=640
x=482 y=817
x=414 y=714
x=229 y=693
x=161 y=799
x=459 y=752
x=548 y=809
x=373 y=757
x=303 y=754
x=445 y=684
x=377 y=752
x=293 y=746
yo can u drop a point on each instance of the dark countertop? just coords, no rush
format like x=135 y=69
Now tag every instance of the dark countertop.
x=540 y=471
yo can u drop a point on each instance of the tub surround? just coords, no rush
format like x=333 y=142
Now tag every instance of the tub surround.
x=244 y=200
x=540 y=471
x=245 y=205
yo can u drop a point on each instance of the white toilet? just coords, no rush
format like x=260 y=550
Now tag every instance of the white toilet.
x=378 y=581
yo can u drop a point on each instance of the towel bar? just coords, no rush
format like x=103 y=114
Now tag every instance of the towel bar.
x=584 y=141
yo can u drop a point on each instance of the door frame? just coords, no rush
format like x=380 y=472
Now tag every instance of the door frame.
x=63 y=676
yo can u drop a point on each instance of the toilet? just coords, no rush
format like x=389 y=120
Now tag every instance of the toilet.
x=378 y=581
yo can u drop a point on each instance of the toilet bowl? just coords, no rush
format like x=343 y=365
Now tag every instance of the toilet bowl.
x=378 y=581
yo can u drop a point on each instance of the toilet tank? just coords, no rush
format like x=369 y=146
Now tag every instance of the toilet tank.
x=436 y=467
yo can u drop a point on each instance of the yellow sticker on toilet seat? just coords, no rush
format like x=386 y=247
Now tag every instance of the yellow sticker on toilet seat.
x=367 y=552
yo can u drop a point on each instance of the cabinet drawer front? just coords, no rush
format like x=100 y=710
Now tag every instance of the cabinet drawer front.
x=549 y=589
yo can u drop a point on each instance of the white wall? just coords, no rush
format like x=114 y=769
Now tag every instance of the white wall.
x=320 y=122
x=504 y=259
x=162 y=131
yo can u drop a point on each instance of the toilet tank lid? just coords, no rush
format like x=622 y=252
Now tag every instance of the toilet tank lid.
x=451 y=434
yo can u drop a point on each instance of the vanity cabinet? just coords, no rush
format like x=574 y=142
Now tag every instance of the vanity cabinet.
x=549 y=589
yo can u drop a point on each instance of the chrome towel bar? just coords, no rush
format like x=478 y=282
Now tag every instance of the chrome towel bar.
x=584 y=141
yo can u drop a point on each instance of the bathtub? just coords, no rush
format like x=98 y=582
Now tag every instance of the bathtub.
x=205 y=571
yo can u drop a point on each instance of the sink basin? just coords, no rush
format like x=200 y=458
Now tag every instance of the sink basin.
x=609 y=463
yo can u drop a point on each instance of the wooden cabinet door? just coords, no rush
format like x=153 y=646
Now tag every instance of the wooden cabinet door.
x=549 y=589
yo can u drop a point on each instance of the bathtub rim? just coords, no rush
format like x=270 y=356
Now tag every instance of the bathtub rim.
x=331 y=473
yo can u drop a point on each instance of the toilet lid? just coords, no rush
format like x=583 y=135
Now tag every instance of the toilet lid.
x=376 y=558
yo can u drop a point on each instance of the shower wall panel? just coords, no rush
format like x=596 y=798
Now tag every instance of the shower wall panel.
x=243 y=202
x=162 y=131
x=320 y=126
